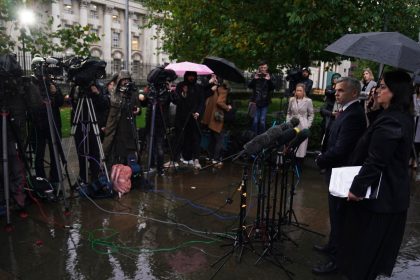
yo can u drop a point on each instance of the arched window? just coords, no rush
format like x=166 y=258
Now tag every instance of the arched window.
x=117 y=62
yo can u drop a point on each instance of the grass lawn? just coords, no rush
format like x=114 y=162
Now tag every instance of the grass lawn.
x=66 y=122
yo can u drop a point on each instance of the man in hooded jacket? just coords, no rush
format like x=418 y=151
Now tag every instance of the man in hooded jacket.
x=120 y=133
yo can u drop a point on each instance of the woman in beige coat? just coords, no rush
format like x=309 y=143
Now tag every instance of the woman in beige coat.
x=216 y=103
x=301 y=107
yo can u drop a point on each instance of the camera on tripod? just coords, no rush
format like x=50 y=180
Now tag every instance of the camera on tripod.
x=84 y=71
x=50 y=67
x=294 y=75
x=158 y=79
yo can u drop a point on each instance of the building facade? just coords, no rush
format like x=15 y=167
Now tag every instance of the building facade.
x=107 y=18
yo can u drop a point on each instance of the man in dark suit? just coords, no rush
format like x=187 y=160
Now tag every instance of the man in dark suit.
x=348 y=127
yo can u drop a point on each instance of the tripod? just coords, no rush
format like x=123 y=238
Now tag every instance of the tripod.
x=239 y=243
x=90 y=120
x=156 y=94
x=4 y=113
x=56 y=144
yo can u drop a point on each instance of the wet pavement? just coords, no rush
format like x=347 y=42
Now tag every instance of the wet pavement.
x=177 y=230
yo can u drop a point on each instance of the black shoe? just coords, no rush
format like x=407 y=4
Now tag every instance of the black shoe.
x=326 y=268
x=326 y=249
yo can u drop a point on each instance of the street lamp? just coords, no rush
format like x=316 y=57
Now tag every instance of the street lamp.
x=26 y=18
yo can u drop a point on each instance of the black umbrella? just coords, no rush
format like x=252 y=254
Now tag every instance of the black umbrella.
x=391 y=48
x=224 y=69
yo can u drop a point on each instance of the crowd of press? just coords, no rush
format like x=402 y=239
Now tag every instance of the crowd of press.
x=364 y=123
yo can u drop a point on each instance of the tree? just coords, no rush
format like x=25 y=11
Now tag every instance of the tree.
x=284 y=33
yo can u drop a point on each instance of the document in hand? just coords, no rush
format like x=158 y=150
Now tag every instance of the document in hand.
x=342 y=178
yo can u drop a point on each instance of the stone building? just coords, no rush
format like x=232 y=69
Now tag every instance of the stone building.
x=107 y=19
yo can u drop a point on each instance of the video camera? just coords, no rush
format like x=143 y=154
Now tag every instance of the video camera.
x=158 y=79
x=84 y=71
x=294 y=75
x=127 y=90
x=50 y=67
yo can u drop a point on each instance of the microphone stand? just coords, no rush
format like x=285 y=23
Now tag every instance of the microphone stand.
x=238 y=244
x=291 y=163
x=270 y=232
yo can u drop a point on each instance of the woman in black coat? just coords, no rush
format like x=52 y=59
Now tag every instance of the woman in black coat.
x=372 y=229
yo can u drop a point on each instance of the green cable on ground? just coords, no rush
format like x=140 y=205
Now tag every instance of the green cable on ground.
x=108 y=243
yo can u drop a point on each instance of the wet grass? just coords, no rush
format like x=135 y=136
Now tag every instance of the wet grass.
x=66 y=120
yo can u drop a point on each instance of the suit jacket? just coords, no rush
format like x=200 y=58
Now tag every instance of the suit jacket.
x=385 y=148
x=344 y=134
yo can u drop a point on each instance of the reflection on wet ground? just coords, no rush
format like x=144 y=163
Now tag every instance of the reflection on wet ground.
x=177 y=230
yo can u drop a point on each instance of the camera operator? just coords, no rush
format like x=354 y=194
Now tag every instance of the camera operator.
x=330 y=108
x=306 y=81
x=43 y=86
x=299 y=76
x=262 y=87
x=189 y=106
x=161 y=95
x=85 y=138
x=14 y=103
x=120 y=132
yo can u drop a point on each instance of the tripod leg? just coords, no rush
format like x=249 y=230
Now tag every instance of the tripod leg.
x=56 y=158
x=224 y=258
x=165 y=127
x=95 y=127
x=5 y=166
x=151 y=136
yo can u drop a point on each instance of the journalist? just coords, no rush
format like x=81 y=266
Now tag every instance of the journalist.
x=160 y=95
x=15 y=102
x=188 y=98
x=213 y=118
x=262 y=87
x=121 y=139
x=306 y=72
x=329 y=110
x=43 y=86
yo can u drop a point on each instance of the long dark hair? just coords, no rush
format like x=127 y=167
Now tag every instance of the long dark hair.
x=399 y=83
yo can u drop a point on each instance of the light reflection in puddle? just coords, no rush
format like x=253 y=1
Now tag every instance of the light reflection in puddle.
x=73 y=242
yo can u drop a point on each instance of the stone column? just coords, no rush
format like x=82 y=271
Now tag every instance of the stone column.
x=83 y=14
x=107 y=38
x=55 y=13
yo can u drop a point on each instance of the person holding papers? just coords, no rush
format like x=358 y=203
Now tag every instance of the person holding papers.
x=348 y=127
x=372 y=229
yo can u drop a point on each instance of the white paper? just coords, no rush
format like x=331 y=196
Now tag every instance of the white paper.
x=342 y=178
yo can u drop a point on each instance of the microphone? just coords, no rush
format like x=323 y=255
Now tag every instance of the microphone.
x=300 y=137
x=273 y=136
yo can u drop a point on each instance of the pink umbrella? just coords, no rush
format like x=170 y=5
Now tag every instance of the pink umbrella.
x=181 y=67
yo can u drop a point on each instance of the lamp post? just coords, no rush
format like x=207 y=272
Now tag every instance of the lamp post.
x=26 y=18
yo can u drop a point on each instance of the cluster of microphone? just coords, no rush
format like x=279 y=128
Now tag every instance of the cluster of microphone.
x=286 y=134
